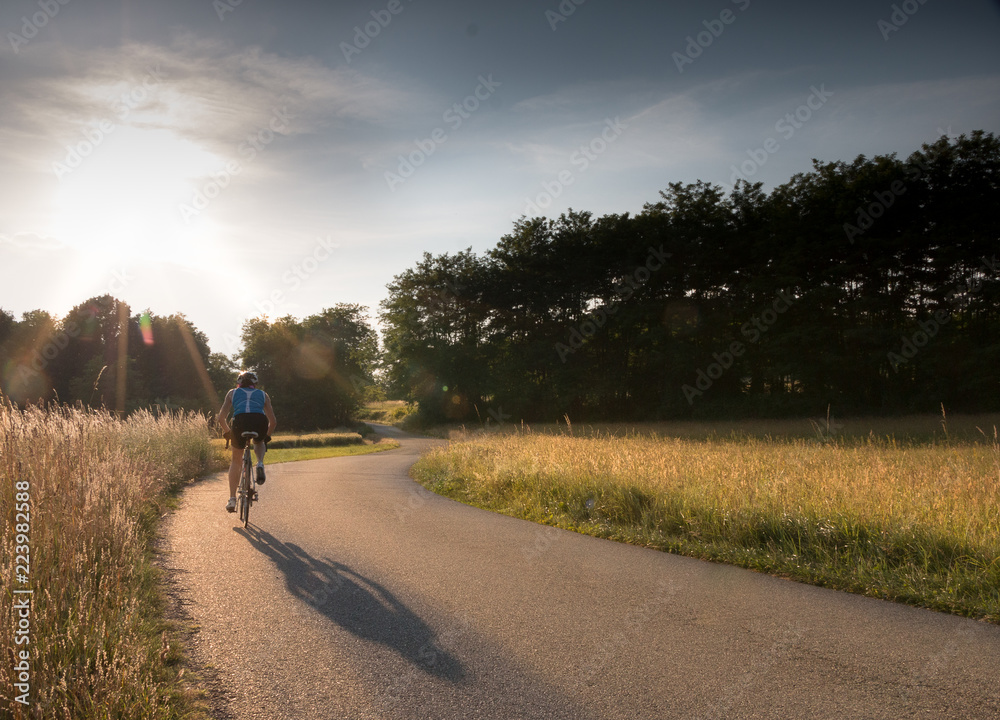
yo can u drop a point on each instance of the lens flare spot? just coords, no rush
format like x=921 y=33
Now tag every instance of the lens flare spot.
x=313 y=360
x=146 y=328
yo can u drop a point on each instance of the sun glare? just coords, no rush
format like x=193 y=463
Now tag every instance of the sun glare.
x=121 y=201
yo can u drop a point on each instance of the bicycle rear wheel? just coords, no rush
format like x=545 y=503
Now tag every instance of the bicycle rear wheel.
x=244 y=508
x=246 y=489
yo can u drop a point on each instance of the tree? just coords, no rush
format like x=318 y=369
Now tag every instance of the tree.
x=222 y=371
x=89 y=338
x=7 y=324
x=28 y=351
x=315 y=370
x=85 y=356
x=870 y=285
x=173 y=361
x=433 y=342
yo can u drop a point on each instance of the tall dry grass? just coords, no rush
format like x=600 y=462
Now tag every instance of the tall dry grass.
x=387 y=411
x=97 y=487
x=913 y=522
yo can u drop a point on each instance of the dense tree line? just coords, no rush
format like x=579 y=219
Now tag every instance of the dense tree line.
x=101 y=354
x=317 y=370
x=870 y=286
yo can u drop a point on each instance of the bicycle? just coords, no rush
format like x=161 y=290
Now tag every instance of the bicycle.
x=247 y=492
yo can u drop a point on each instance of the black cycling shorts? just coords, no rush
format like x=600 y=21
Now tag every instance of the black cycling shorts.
x=248 y=422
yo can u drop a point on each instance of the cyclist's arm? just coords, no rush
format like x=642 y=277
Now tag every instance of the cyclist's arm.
x=272 y=422
x=224 y=411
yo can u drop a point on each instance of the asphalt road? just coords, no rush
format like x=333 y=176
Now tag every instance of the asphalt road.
x=357 y=594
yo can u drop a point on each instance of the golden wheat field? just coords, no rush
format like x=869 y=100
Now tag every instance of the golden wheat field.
x=80 y=492
x=915 y=520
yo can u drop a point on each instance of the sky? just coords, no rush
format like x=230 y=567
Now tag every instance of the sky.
x=229 y=159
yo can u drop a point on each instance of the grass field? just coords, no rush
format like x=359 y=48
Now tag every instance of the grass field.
x=316 y=439
x=93 y=488
x=315 y=453
x=312 y=446
x=906 y=510
x=81 y=493
x=392 y=412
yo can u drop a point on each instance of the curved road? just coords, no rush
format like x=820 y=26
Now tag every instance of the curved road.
x=369 y=597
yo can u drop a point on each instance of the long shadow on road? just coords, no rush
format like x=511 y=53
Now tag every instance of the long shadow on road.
x=359 y=605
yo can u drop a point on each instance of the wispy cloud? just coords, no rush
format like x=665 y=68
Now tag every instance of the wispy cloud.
x=204 y=90
x=660 y=127
x=31 y=241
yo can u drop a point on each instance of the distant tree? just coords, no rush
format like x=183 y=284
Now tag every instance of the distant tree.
x=316 y=369
x=433 y=340
x=223 y=371
x=166 y=360
x=27 y=355
x=173 y=360
x=7 y=324
x=91 y=333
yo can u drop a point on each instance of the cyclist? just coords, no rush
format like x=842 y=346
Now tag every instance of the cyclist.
x=252 y=411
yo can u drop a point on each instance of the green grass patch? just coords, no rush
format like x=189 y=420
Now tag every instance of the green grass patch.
x=288 y=447
x=315 y=453
x=911 y=522
x=325 y=439
x=390 y=412
x=933 y=429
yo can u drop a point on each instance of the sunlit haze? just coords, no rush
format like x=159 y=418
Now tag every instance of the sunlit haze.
x=231 y=159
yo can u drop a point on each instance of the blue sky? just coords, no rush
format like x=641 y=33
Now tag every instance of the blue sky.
x=228 y=159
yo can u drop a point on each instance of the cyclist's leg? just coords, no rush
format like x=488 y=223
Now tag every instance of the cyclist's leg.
x=235 y=465
x=259 y=425
x=238 y=426
x=259 y=449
